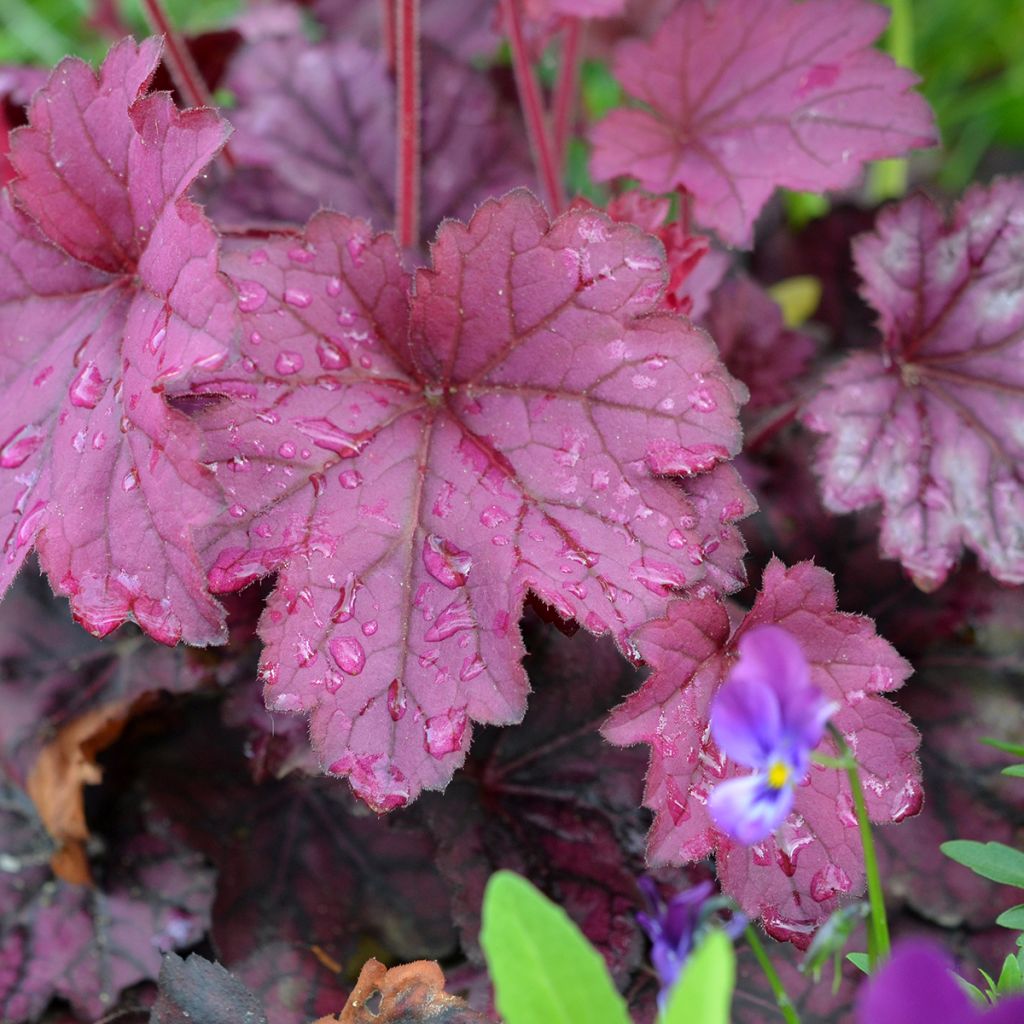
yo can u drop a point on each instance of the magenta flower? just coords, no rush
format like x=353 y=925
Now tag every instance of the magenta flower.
x=769 y=716
x=916 y=987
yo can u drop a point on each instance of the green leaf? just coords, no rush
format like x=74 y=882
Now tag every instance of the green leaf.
x=1016 y=770
x=996 y=861
x=703 y=994
x=1012 y=918
x=861 y=961
x=1017 y=749
x=832 y=936
x=544 y=970
x=1011 y=978
x=973 y=991
x=797 y=297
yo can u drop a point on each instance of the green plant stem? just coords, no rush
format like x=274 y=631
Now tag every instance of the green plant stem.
x=888 y=178
x=878 y=929
x=785 y=1004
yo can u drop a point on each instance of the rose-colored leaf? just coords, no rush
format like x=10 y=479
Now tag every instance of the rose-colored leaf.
x=743 y=96
x=930 y=426
x=108 y=290
x=694 y=268
x=411 y=482
x=793 y=880
x=320 y=122
x=755 y=344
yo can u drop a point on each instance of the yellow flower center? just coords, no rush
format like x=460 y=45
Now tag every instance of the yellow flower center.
x=778 y=774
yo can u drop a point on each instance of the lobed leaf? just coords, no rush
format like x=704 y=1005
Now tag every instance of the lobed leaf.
x=109 y=289
x=929 y=426
x=412 y=468
x=743 y=96
x=795 y=879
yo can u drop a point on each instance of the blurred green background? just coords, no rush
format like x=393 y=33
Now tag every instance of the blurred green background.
x=970 y=54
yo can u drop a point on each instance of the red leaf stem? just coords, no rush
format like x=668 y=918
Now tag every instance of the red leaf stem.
x=387 y=26
x=186 y=76
x=408 y=53
x=533 y=109
x=566 y=87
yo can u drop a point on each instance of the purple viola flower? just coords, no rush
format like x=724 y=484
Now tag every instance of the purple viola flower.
x=769 y=716
x=916 y=986
x=672 y=927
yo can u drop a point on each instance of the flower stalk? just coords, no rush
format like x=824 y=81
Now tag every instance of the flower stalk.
x=548 y=168
x=183 y=70
x=878 y=924
x=407 y=193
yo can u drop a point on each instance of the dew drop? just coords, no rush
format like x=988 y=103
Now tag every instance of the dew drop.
x=237 y=511
x=42 y=376
x=333 y=287
x=88 y=387
x=471 y=668
x=396 y=700
x=29 y=523
x=319 y=482
x=345 y=607
x=444 y=732
x=130 y=481
x=288 y=363
x=455 y=618
x=20 y=445
x=348 y=652
x=332 y=355
x=156 y=339
x=286 y=450
x=370 y=627
x=300 y=255
x=251 y=296
x=298 y=298
x=658 y=577
x=493 y=516
x=702 y=400
x=676 y=540
x=829 y=882
x=99 y=439
x=448 y=564
x=305 y=653
x=350 y=479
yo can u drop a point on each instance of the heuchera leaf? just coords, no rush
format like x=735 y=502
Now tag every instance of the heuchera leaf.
x=694 y=269
x=85 y=945
x=793 y=880
x=755 y=344
x=743 y=96
x=320 y=121
x=195 y=991
x=108 y=290
x=930 y=426
x=412 y=471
